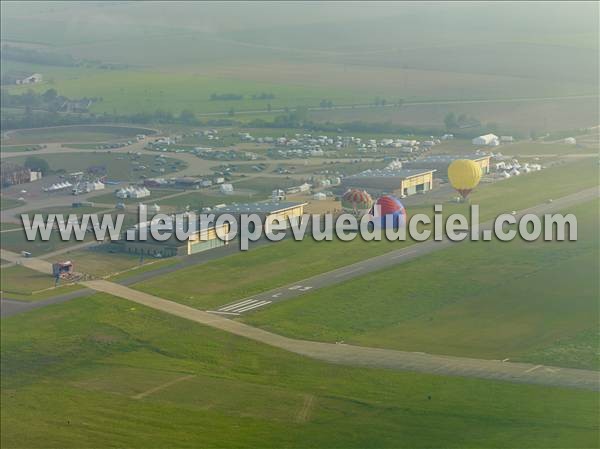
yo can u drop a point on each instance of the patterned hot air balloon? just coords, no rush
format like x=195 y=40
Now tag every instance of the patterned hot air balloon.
x=356 y=201
x=391 y=212
x=464 y=175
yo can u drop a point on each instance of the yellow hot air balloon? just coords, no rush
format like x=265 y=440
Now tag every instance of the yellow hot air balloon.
x=464 y=175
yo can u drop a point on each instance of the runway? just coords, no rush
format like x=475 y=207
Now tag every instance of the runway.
x=365 y=356
x=406 y=254
x=358 y=355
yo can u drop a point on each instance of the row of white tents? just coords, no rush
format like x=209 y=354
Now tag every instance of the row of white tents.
x=58 y=186
x=132 y=192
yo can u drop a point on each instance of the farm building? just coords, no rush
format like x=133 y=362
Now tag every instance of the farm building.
x=401 y=181
x=281 y=210
x=204 y=239
x=441 y=162
x=486 y=139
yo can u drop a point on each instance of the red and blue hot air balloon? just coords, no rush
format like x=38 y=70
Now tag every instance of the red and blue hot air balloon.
x=389 y=212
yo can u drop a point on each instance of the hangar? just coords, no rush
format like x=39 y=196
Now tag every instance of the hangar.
x=204 y=239
x=280 y=210
x=401 y=181
x=442 y=162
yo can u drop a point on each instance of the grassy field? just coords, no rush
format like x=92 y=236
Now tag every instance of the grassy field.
x=24 y=284
x=518 y=117
x=75 y=133
x=18 y=148
x=82 y=370
x=100 y=263
x=9 y=203
x=526 y=301
x=155 y=195
x=268 y=267
x=264 y=185
x=558 y=149
x=118 y=166
x=205 y=198
x=17 y=242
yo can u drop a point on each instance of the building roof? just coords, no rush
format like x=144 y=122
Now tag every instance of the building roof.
x=399 y=173
x=266 y=207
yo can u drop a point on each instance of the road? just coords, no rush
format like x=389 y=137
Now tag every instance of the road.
x=365 y=356
x=340 y=275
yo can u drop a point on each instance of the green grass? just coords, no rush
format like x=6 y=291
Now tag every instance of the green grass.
x=205 y=198
x=19 y=282
x=155 y=195
x=118 y=166
x=74 y=368
x=265 y=185
x=9 y=203
x=17 y=242
x=18 y=148
x=558 y=149
x=526 y=301
x=276 y=265
x=98 y=262
x=75 y=133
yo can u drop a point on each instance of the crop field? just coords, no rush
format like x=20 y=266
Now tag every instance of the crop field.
x=243 y=275
x=75 y=133
x=118 y=166
x=495 y=300
x=176 y=68
x=518 y=117
x=83 y=372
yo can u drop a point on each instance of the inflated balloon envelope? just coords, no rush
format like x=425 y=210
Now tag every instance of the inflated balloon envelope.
x=464 y=175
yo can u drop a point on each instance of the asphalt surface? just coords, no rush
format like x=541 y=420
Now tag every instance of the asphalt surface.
x=369 y=357
x=340 y=275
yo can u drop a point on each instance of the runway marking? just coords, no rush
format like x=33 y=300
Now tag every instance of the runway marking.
x=347 y=272
x=162 y=387
x=276 y=295
x=222 y=313
x=295 y=287
x=237 y=304
x=398 y=256
x=530 y=370
x=304 y=289
x=252 y=306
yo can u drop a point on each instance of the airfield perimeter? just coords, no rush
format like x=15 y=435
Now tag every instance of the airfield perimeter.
x=355 y=355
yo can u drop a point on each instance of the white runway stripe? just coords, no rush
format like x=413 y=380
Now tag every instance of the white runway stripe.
x=252 y=306
x=237 y=304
